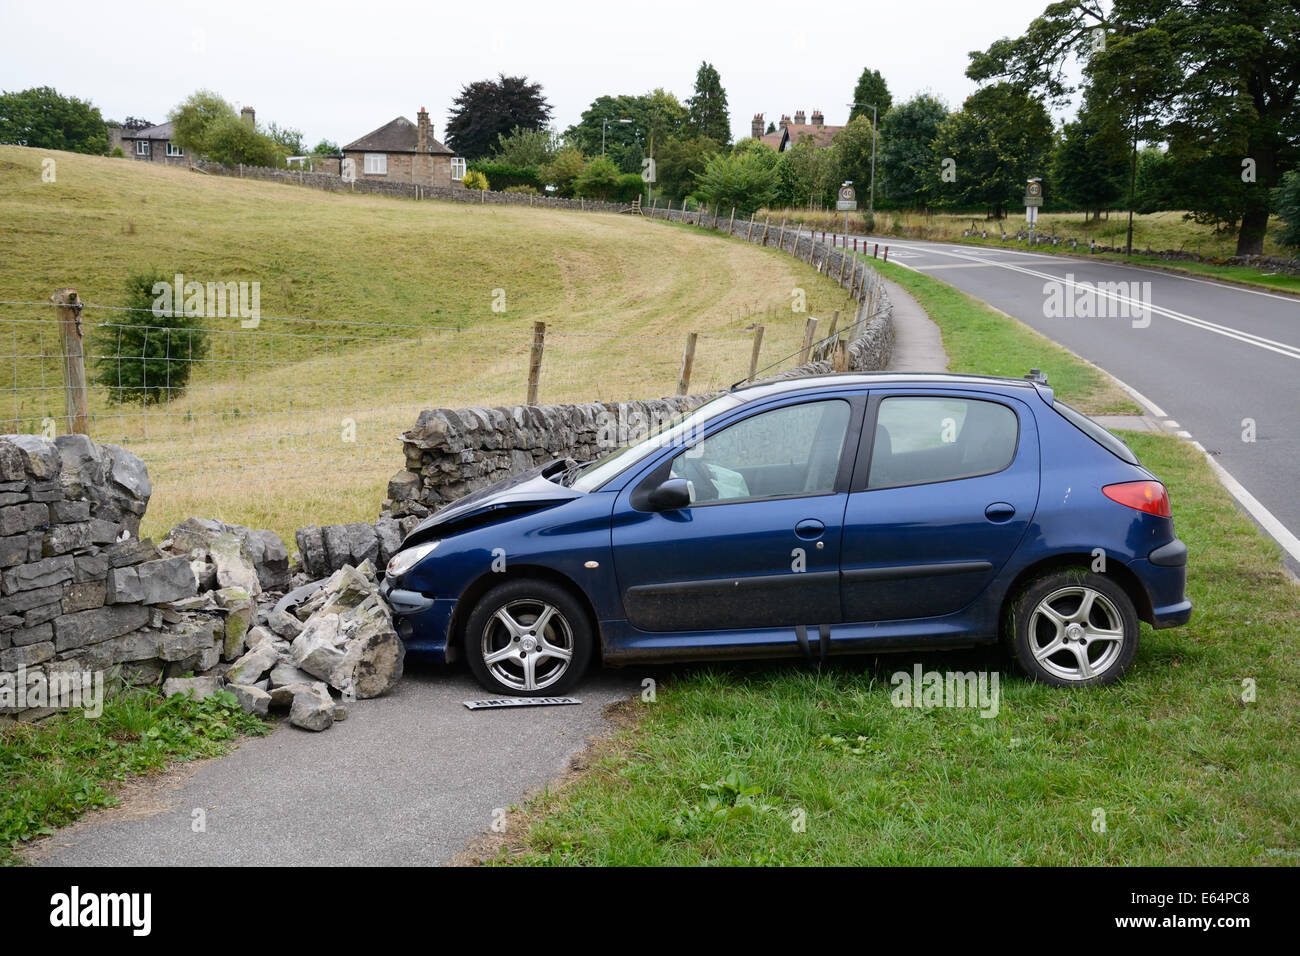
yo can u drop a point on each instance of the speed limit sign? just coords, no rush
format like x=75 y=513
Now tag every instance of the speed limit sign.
x=848 y=199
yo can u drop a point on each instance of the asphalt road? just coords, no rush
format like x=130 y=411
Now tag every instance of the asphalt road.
x=406 y=780
x=1208 y=355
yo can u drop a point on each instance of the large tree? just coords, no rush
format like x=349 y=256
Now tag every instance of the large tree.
x=1091 y=165
x=43 y=118
x=870 y=89
x=999 y=139
x=486 y=110
x=906 y=164
x=651 y=119
x=1226 y=97
x=708 y=107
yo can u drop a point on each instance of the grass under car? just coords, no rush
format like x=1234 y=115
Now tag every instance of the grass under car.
x=839 y=514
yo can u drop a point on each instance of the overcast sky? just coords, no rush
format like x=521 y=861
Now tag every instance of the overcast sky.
x=337 y=71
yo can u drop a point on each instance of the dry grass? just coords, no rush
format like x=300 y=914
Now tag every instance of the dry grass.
x=392 y=302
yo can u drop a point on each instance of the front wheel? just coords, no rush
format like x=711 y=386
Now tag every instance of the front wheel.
x=1073 y=629
x=528 y=638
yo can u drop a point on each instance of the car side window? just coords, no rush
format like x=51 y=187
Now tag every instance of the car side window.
x=921 y=439
x=794 y=450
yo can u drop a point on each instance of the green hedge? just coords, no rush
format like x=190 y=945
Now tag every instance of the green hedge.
x=502 y=175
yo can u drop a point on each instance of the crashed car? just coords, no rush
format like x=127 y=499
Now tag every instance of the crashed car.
x=841 y=514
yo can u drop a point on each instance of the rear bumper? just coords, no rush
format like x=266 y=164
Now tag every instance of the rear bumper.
x=1164 y=576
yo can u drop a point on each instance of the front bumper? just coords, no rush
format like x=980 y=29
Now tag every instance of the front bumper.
x=423 y=623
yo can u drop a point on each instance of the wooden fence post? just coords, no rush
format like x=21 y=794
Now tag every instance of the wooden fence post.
x=844 y=260
x=535 y=361
x=74 y=360
x=780 y=242
x=835 y=321
x=753 y=356
x=809 y=331
x=767 y=221
x=688 y=362
x=732 y=223
x=840 y=357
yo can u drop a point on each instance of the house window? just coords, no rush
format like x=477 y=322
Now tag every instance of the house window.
x=174 y=150
x=142 y=147
x=458 y=167
x=376 y=164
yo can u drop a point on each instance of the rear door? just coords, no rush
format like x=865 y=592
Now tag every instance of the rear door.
x=946 y=484
x=759 y=546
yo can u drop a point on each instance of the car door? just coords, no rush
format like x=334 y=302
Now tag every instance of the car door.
x=945 y=487
x=759 y=545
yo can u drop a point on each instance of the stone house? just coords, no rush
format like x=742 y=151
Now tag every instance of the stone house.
x=789 y=132
x=153 y=144
x=403 y=152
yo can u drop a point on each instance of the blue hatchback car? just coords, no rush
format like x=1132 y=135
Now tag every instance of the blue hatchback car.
x=851 y=513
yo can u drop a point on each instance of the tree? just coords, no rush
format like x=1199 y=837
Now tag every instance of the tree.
x=1224 y=91
x=326 y=147
x=806 y=174
x=231 y=141
x=526 y=148
x=743 y=181
x=677 y=162
x=135 y=123
x=1288 y=209
x=870 y=89
x=42 y=118
x=907 y=165
x=708 y=107
x=564 y=169
x=287 y=139
x=147 y=354
x=598 y=180
x=1090 y=166
x=999 y=139
x=486 y=110
x=853 y=152
x=196 y=114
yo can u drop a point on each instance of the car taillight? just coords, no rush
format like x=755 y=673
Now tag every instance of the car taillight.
x=1148 y=496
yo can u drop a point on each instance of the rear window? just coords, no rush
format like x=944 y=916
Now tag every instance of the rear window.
x=1094 y=431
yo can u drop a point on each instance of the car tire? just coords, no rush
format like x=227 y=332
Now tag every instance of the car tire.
x=507 y=653
x=1073 y=628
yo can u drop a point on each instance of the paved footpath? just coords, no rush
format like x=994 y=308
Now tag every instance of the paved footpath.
x=407 y=779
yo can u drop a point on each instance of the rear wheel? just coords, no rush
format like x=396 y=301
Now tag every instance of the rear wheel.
x=528 y=638
x=1073 y=629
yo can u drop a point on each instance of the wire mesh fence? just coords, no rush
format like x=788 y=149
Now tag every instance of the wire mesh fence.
x=223 y=403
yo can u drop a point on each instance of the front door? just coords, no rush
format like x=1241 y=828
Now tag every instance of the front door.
x=759 y=545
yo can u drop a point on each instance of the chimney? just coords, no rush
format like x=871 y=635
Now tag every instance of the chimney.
x=756 y=128
x=799 y=118
x=422 y=131
x=785 y=121
x=248 y=117
x=818 y=119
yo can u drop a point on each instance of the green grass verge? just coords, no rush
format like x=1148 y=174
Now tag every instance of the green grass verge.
x=980 y=339
x=53 y=772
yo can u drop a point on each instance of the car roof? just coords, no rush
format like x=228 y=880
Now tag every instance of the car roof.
x=749 y=393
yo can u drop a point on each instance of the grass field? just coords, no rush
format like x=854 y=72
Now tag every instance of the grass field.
x=777 y=764
x=393 y=302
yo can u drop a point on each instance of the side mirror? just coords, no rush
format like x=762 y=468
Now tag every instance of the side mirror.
x=673 y=494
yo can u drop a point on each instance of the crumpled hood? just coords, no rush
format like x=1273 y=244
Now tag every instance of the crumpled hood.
x=527 y=491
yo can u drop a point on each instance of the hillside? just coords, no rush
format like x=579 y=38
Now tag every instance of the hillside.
x=392 y=302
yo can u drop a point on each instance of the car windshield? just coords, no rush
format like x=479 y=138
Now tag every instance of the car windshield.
x=676 y=432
